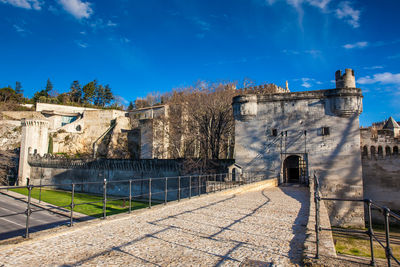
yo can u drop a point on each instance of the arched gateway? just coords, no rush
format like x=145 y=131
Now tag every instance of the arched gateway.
x=294 y=169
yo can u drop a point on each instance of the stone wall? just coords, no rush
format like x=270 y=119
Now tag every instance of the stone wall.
x=61 y=171
x=79 y=136
x=61 y=108
x=64 y=171
x=321 y=128
x=382 y=181
x=19 y=115
x=381 y=168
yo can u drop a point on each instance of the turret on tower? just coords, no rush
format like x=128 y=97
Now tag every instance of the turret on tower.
x=347 y=80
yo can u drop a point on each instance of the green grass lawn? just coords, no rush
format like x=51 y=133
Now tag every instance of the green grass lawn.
x=63 y=198
x=359 y=246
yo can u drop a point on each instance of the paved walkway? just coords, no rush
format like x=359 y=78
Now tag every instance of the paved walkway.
x=217 y=230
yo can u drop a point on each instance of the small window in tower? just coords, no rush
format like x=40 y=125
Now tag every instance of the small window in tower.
x=325 y=131
x=274 y=132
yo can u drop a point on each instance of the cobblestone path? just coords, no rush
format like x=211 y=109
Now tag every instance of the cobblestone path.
x=217 y=230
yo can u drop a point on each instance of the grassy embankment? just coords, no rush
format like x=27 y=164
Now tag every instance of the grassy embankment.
x=358 y=245
x=63 y=198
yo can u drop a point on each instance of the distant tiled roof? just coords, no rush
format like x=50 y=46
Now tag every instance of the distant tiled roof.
x=391 y=124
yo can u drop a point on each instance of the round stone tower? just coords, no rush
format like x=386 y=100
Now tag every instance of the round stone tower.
x=245 y=107
x=347 y=80
x=346 y=98
x=34 y=140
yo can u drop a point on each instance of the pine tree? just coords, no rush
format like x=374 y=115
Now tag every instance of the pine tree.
x=76 y=92
x=88 y=91
x=131 y=106
x=49 y=87
x=18 y=89
x=99 y=96
x=108 y=95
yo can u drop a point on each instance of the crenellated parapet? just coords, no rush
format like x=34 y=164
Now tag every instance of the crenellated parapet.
x=342 y=102
x=347 y=80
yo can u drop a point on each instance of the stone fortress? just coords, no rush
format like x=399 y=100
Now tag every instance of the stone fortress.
x=293 y=135
x=289 y=135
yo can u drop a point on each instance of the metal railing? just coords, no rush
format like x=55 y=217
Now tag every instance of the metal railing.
x=173 y=189
x=369 y=204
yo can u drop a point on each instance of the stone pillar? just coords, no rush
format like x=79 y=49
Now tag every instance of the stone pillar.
x=34 y=140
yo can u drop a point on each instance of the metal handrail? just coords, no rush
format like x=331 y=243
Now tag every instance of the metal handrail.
x=370 y=231
x=198 y=185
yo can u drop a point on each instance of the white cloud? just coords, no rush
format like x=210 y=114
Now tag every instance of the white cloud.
x=394 y=56
x=28 y=4
x=21 y=30
x=373 y=67
x=125 y=40
x=111 y=24
x=383 y=78
x=77 y=8
x=322 y=4
x=343 y=10
x=356 y=45
x=312 y=52
x=309 y=82
x=349 y=14
x=290 y=52
x=205 y=26
x=18 y=28
x=306 y=84
x=81 y=44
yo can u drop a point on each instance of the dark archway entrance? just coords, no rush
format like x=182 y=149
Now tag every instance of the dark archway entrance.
x=293 y=169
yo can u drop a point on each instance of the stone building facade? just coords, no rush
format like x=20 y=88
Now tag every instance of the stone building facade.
x=60 y=129
x=381 y=163
x=294 y=135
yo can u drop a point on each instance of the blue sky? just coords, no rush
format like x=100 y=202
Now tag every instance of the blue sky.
x=140 y=47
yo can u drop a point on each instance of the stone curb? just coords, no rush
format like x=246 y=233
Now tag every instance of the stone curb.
x=326 y=247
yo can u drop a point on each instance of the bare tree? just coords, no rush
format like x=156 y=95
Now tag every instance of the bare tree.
x=201 y=121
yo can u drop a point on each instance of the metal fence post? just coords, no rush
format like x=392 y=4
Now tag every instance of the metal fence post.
x=224 y=177
x=198 y=178
x=190 y=187
x=388 y=251
x=370 y=231
x=71 y=217
x=40 y=190
x=207 y=180
x=130 y=196
x=215 y=183
x=104 y=198
x=149 y=193
x=166 y=191
x=179 y=188
x=28 y=210
x=316 y=200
